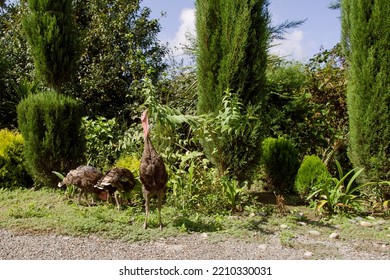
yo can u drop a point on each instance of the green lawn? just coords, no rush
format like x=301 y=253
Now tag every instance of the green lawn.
x=49 y=210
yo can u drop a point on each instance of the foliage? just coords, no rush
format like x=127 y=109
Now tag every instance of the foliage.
x=13 y=172
x=51 y=127
x=20 y=91
x=232 y=39
x=17 y=65
x=307 y=103
x=281 y=163
x=131 y=162
x=365 y=36
x=336 y=197
x=53 y=38
x=120 y=45
x=230 y=138
x=234 y=59
x=230 y=124
x=291 y=114
x=312 y=174
x=101 y=136
x=194 y=185
x=232 y=191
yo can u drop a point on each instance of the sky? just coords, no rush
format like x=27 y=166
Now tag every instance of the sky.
x=321 y=29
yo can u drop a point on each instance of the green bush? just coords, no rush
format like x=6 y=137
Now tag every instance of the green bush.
x=281 y=163
x=101 y=136
x=51 y=127
x=311 y=175
x=13 y=173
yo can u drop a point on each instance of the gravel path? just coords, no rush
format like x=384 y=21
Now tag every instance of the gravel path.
x=17 y=246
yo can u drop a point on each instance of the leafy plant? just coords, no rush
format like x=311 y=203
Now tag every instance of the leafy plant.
x=340 y=194
x=232 y=191
x=311 y=175
x=13 y=173
x=281 y=163
x=101 y=137
x=221 y=134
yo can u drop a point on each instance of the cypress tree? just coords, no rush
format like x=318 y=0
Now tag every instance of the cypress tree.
x=366 y=40
x=232 y=39
x=53 y=39
x=208 y=27
x=51 y=123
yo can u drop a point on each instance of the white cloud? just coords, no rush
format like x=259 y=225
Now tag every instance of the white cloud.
x=292 y=47
x=187 y=25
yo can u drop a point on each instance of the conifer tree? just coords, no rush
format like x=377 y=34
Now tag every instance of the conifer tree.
x=232 y=40
x=53 y=39
x=233 y=36
x=366 y=40
x=50 y=122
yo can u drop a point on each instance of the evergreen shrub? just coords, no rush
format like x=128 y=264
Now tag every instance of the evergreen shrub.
x=51 y=127
x=281 y=163
x=311 y=175
x=365 y=26
x=13 y=172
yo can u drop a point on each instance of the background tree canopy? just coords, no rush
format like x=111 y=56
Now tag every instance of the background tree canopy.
x=120 y=45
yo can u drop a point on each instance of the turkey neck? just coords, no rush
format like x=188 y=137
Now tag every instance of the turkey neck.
x=149 y=150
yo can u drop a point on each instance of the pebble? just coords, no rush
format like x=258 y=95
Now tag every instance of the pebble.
x=302 y=223
x=204 y=235
x=358 y=218
x=283 y=226
x=334 y=235
x=314 y=232
x=365 y=224
x=381 y=222
x=308 y=254
x=263 y=247
x=370 y=218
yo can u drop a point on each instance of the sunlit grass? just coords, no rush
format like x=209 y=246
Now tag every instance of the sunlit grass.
x=50 y=211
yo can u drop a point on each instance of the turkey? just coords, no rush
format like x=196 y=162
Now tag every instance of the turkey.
x=84 y=178
x=116 y=180
x=153 y=174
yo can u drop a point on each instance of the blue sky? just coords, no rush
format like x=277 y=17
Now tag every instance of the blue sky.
x=321 y=29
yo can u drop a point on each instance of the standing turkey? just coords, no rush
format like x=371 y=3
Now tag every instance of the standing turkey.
x=116 y=180
x=153 y=174
x=84 y=178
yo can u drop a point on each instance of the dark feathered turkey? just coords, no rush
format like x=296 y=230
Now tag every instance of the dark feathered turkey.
x=116 y=180
x=153 y=174
x=84 y=178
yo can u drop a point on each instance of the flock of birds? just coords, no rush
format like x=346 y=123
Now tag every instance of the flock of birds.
x=153 y=176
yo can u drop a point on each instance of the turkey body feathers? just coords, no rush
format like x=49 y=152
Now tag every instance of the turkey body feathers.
x=153 y=174
x=117 y=179
x=84 y=178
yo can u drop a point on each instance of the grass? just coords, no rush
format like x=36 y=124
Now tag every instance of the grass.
x=50 y=211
